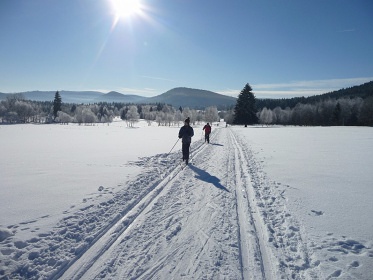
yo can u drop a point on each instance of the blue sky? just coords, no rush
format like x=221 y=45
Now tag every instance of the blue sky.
x=281 y=48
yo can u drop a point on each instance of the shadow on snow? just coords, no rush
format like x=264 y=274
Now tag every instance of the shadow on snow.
x=217 y=144
x=207 y=177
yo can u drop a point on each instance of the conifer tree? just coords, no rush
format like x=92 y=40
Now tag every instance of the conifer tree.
x=57 y=103
x=337 y=114
x=245 y=109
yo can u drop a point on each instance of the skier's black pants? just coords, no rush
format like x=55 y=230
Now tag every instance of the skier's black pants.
x=207 y=137
x=185 y=149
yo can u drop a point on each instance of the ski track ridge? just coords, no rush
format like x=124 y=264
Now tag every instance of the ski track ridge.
x=250 y=230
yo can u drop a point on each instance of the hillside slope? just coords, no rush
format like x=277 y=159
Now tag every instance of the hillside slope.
x=114 y=96
x=193 y=98
x=361 y=91
x=184 y=97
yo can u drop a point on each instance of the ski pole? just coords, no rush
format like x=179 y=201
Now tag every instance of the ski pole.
x=174 y=145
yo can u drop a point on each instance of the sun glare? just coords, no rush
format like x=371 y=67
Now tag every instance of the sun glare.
x=125 y=8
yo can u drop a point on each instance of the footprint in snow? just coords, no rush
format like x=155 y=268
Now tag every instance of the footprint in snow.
x=355 y=264
x=335 y=274
x=333 y=259
x=317 y=213
x=5 y=233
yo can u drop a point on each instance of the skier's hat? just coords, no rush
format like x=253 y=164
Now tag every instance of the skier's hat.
x=187 y=120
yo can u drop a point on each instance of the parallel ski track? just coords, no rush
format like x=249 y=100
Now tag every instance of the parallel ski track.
x=76 y=268
x=255 y=255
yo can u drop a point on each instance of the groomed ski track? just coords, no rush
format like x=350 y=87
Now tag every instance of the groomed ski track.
x=203 y=221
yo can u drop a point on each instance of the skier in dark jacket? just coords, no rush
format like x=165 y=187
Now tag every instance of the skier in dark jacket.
x=207 y=129
x=186 y=133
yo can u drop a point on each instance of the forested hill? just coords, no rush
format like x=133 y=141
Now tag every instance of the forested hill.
x=363 y=91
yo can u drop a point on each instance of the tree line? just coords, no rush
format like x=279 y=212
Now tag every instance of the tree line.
x=363 y=91
x=15 y=109
x=350 y=107
x=331 y=112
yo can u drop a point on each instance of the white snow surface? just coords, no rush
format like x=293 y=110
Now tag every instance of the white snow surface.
x=110 y=202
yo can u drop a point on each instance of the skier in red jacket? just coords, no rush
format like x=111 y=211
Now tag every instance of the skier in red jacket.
x=207 y=129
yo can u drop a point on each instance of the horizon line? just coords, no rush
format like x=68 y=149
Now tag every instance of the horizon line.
x=270 y=90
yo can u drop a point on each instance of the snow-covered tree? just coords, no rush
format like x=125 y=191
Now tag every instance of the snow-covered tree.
x=281 y=116
x=85 y=115
x=200 y=116
x=24 y=110
x=170 y=118
x=89 y=116
x=186 y=113
x=63 y=118
x=265 y=116
x=160 y=118
x=211 y=114
x=192 y=114
x=147 y=114
x=229 y=117
x=178 y=117
x=104 y=114
x=167 y=109
x=132 y=115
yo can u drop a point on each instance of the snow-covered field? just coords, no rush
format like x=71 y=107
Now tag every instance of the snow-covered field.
x=109 y=202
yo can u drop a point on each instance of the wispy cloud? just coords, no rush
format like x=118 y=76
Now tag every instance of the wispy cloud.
x=229 y=92
x=139 y=91
x=147 y=92
x=299 y=88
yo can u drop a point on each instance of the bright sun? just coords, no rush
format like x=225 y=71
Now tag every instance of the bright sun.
x=125 y=8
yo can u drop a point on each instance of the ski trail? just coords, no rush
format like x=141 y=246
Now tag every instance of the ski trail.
x=110 y=238
x=179 y=234
x=254 y=252
x=282 y=251
x=203 y=221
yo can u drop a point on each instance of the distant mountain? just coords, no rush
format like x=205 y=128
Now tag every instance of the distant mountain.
x=67 y=96
x=114 y=96
x=78 y=96
x=184 y=97
x=193 y=98
x=364 y=91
